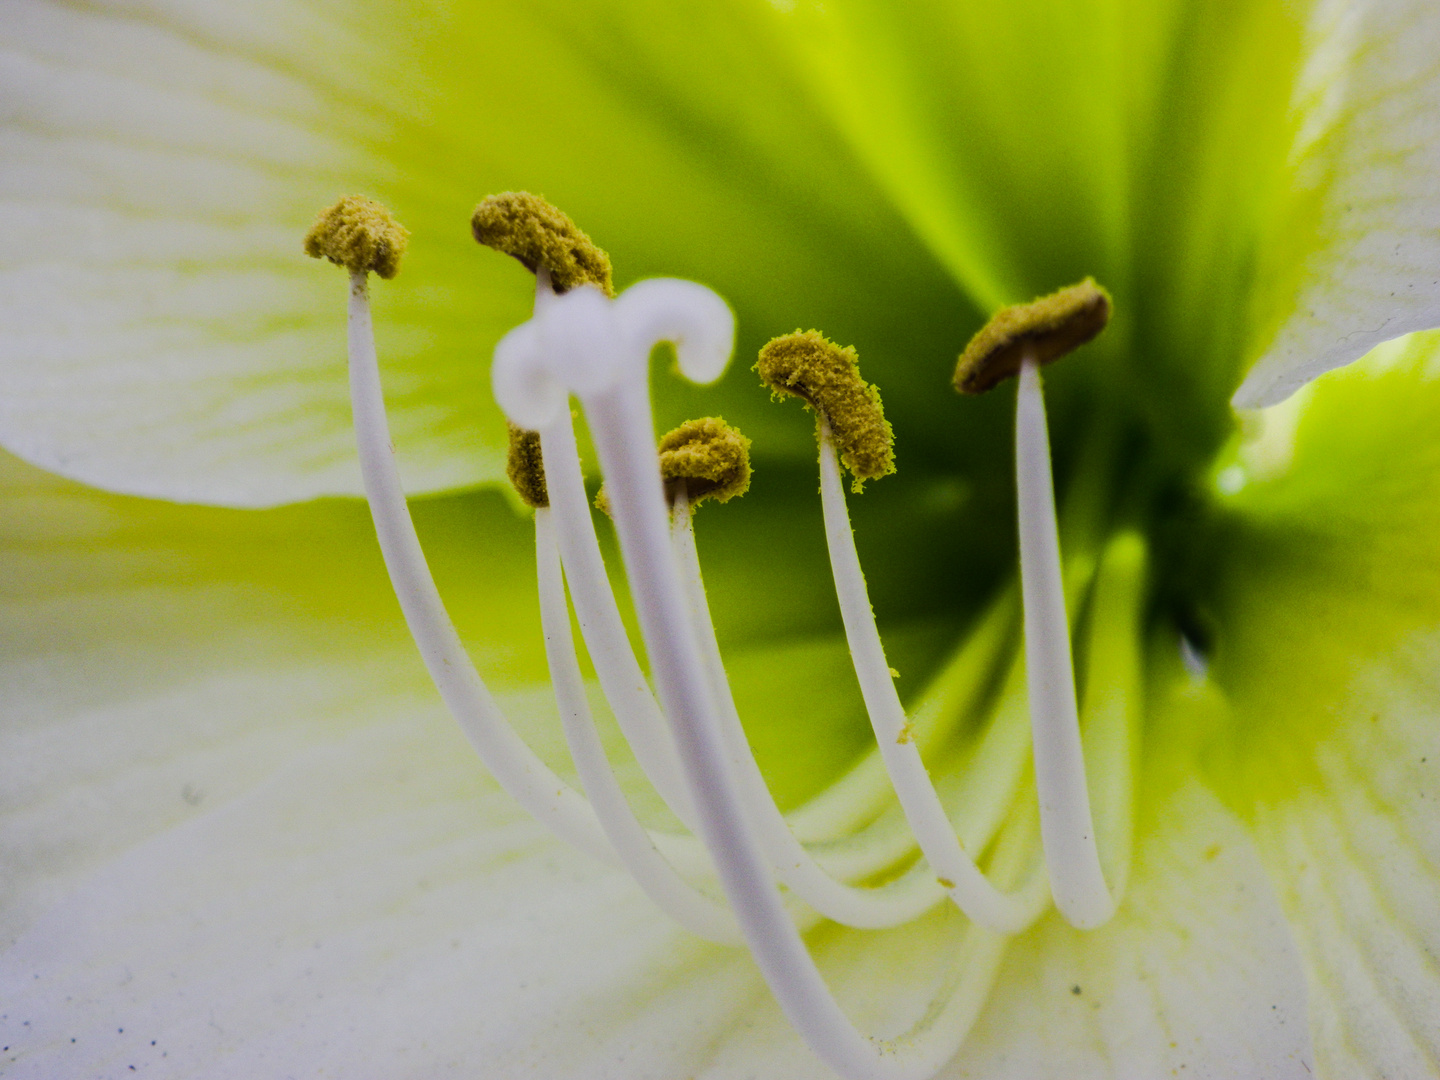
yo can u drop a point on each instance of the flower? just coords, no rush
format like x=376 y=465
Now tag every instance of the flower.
x=236 y=822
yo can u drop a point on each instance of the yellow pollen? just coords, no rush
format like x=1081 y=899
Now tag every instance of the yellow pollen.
x=708 y=456
x=359 y=234
x=827 y=378
x=530 y=229
x=525 y=468
x=1046 y=329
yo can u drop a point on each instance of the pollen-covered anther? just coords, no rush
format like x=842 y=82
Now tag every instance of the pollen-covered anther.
x=708 y=456
x=359 y=234
x=1045 y=329
x=538 y=234
x=525 y=467
x=827 y=378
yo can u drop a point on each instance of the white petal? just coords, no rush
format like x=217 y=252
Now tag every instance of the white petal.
x=235 y=820
x=374 y=909
x=1360 y=849
x=1196 y=976
x=364 y=911
x=164 y=335
x=1368 y=161
x=158 y=660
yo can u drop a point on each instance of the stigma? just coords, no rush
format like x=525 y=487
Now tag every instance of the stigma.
x=985 y=832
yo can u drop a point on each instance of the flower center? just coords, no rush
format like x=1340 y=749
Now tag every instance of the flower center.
x=843 y=856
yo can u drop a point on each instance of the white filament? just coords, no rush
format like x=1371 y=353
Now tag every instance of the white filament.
x=898 y=901
x=620 y=676
x=520 y=772
x=671 y=893
x=864 y=792
x=964 y=881
x=1066 y=828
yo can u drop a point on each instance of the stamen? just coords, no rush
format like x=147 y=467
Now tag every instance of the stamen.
x=891 y=904
x=1045 y=329
x=969 y=889
x=1076 y=878
x=520 y=772
x=827 y=378
x=530 y=229
x=1021 y=339
x=601 y=355
x=864 y=792
x=601 y=627
x=543 y=238
x=708 y=457
x=824 y=375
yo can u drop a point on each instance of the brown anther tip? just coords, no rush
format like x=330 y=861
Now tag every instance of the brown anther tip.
x=1046 y=329
x=359 y=234
x=711 y=458
x=827 y=378
x=538 y=234
x=525 y=467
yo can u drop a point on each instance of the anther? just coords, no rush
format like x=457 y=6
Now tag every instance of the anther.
x=708 y=457
x=360 y=235
x=827 y=378
x=538 y=234
x=1044 y=329
x=525 y=467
